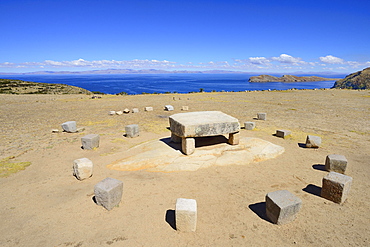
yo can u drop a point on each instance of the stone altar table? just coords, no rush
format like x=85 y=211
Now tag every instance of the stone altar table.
x=186 y=126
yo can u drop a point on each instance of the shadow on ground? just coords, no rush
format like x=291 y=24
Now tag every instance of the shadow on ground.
x=171 y=218
x=260 y=209
x=313 y=189
x=319 y=167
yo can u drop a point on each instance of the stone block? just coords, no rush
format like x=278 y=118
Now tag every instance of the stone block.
x=108 y=193
x=188 y=145
x=135 y=110
x=168 y=108
x=126 y=110
x=203 y=123
x=119 y=112
x=336 y=163
x=90 y=141
x=283 y=133
x=112 y=112
x=185 y=108
x=234 y=138
x=282 y=206
x=335 y=187
x=186 y=215
x=148 y=108
x=313 y=141
x=69 y=126
x=249 y=125
x=82 y=168
x=261 y=116
x=132 y=130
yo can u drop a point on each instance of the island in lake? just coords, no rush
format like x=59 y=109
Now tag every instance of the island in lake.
x=288 y=78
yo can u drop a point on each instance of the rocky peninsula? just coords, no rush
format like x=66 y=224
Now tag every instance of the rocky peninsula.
x=288 y=78
x=10 y=86
x=357 y=80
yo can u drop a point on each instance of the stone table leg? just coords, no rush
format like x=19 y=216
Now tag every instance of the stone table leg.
x=175 y=138
x=234 y=138
x=188 y=145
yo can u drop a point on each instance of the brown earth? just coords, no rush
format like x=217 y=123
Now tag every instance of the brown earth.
x=44 y=205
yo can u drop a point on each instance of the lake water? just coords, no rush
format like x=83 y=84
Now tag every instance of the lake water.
x=162 y=83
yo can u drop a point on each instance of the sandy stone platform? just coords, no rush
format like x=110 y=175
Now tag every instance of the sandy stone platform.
x=163 y=155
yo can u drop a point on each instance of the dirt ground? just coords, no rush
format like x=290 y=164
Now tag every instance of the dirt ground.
x=45 y=205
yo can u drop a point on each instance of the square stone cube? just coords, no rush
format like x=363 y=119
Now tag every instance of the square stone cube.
x=336 y=163
x=335 y=187
x=249 y=125
x=82 y=168
x=282 y=206
x=132 y=130
x=261 y=116
x=108 y=193
x=186 y=215
x=168 y=108
x=283 y=133
x=234 y=138
x=188 y=145
x=185 y=108
x=135 y=110
x=148 y=108
x=313 y=141
x=90 y=141
x=69 y=126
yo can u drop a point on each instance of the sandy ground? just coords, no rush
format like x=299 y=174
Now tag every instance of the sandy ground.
x=45 y=205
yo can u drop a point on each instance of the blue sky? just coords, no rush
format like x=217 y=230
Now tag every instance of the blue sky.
x=251 y=36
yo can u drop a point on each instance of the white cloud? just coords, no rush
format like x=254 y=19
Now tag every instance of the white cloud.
x=282 y=63
x=331 y=59
x=259 y=60
x=284 y=58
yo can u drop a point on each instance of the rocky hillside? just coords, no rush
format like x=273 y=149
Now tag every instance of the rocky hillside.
x=287 y=78
x=357 y=80
x=9 y=86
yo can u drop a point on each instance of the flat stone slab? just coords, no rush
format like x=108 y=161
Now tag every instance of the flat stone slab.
x=158 y=155
x=203 y=123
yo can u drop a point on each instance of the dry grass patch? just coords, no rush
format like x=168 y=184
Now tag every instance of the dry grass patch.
x=7 y=167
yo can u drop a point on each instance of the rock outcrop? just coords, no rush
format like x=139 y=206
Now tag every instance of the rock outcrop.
x=288 y=78
x=357 y=80
x=10 y=86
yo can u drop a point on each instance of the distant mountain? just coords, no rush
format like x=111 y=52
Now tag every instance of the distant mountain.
x=357 y=80
x=288 y=78
x=9 y=86
x=128 y=71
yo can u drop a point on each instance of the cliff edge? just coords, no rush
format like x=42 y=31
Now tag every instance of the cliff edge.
x=357 y=80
